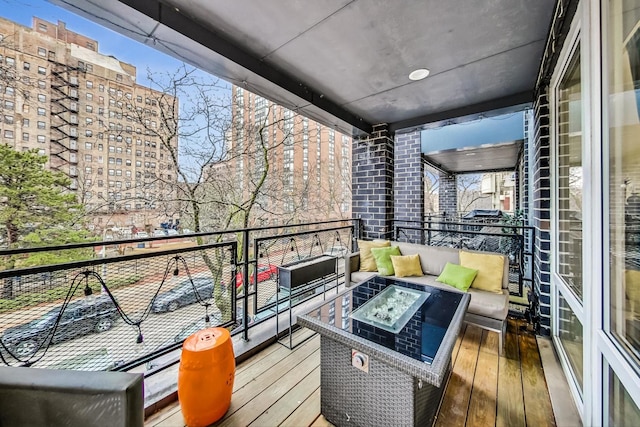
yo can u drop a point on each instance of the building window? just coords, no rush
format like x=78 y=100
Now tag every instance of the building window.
x=8 y=134
x=42 y=70
x=8 y=105
x=41 y=139
x=25 y=123
x=87 y=145
x=622 y=409
x=41 y=83
x=25 y=136
x=26 y=66
x=569 y=177
x=42 y=51
x=42 y=111
x=42 y=125
x=89 y=96
x=622 y=158
x=90 y=45
x=90 y=68
x=42 y=27
x=118 y=77
x=89 y=84
x=89 y=109
x=42 y=98
x=8 y=119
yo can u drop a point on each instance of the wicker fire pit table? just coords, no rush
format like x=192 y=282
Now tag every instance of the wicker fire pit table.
x=386 y=351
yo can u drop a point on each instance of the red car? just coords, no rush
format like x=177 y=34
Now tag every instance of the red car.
x=265 y=272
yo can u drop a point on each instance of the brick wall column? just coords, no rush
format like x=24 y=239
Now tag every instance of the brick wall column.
x=372 y=182
x=540 y=217
x=448 y=194
x=408 y=186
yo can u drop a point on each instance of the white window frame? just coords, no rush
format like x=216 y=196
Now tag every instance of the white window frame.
x=607 y=346
x=558 y=286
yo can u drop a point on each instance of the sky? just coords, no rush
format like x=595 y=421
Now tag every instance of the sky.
x=109 y=42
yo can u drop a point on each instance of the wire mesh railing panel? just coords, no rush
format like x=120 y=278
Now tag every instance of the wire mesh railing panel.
x=129 y=304
x=283 y=250
x=114 y=312
x=513 y=241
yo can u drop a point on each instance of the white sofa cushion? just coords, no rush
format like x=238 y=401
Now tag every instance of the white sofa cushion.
x=432 y=258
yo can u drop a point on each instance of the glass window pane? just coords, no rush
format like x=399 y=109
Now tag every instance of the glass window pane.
x=623 y=68
x=569 y=173
x=570 y=334
x=622 y=410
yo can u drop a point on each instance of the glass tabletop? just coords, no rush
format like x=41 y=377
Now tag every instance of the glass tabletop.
x=413 y=324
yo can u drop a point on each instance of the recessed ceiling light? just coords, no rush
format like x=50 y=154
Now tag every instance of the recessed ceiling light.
x=419 y=74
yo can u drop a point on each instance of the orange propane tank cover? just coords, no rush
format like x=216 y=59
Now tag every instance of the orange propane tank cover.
x=205 y=377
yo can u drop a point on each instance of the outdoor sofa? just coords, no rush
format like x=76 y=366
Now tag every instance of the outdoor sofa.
x=487 y=309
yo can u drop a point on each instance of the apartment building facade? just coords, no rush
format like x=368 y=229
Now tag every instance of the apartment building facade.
x=309 y=176
x=86 y=113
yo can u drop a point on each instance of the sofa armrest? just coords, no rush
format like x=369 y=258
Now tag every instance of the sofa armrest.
x=351 y=263
x=505 y=274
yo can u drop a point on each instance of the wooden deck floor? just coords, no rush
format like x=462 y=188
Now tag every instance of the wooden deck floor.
x=281 y=387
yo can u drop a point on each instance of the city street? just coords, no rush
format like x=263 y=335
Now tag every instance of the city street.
x=97 y=351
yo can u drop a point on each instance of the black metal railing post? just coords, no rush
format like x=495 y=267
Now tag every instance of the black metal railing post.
x=245 y=284
x=256 y=283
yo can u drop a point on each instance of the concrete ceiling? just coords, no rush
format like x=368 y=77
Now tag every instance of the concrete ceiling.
x=346 y=63
x=490 y=158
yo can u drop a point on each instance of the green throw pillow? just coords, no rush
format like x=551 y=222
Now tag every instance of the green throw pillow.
x=383 y=259
x=457 y=276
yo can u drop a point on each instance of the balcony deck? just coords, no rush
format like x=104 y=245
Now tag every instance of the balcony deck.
x=282 y=387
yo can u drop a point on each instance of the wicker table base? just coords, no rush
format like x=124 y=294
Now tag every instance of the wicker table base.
x=373 y=377
x=385 y=396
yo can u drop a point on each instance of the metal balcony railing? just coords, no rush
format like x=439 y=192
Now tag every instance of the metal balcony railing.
x=128 y=304
x=515 y=241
